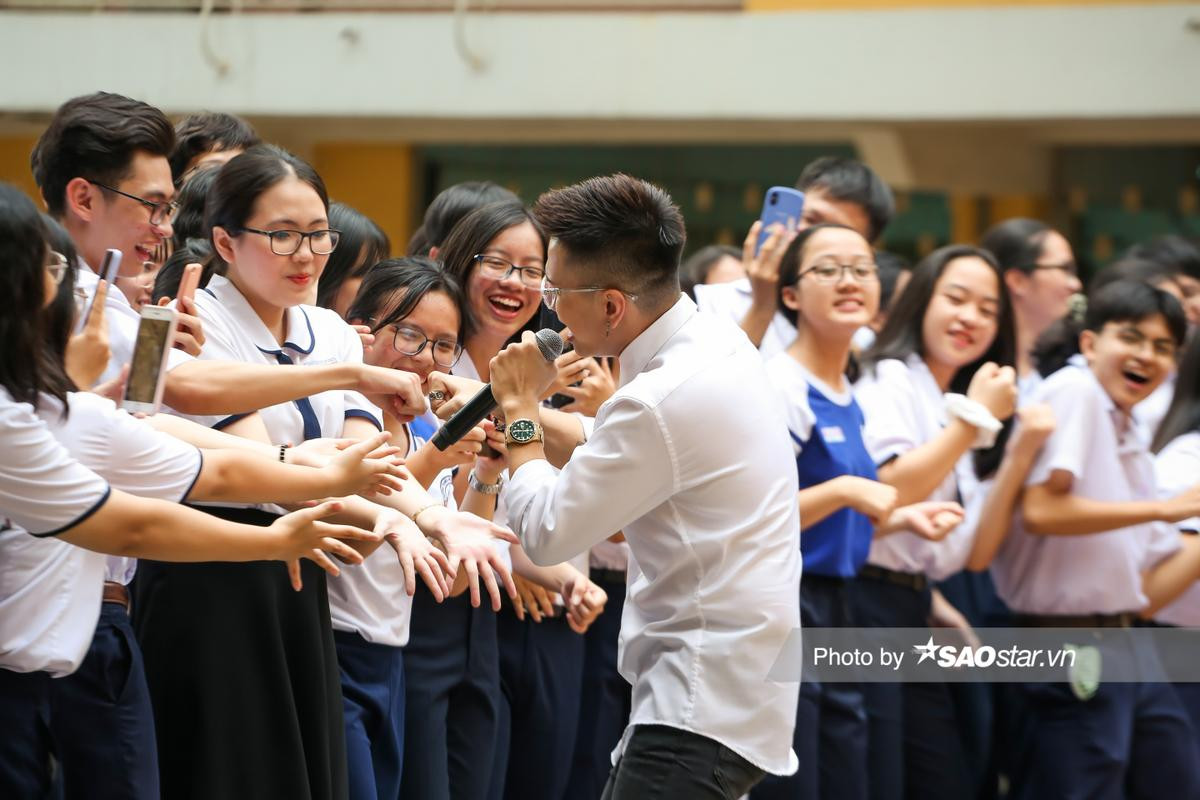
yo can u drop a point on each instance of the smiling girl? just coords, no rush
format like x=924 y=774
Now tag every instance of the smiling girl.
x=938 y=383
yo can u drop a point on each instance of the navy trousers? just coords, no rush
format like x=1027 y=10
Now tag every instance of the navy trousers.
x=451 y=694
x=914 y=745
x=1128 y=741
x=102 y=721
x=831 y=718
x=25 y=744
x=373 y=698
x=541 y=672
x=605 y=696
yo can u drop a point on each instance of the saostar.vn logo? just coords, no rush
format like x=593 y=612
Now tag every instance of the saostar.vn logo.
x=949 y=656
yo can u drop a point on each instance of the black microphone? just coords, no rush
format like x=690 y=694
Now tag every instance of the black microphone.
x=479 y=406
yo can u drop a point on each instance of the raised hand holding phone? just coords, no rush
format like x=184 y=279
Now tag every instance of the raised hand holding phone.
x=108 y=274
x=88 y=351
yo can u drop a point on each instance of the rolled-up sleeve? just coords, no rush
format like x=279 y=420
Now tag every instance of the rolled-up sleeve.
x=623 y=471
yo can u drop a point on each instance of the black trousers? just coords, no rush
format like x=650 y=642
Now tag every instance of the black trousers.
x=605 y=697
x=915 y=748
x=451 y=694
x=541 y=671
x=665 y=763
x=102 y=721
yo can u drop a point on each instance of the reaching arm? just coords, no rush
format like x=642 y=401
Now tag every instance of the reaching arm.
x=995 y=517
x=139 y=527
x=230 y=387
x=1051 y=509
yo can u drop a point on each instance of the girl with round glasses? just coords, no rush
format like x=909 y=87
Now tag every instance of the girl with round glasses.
x=498 y=252
x=207 y=628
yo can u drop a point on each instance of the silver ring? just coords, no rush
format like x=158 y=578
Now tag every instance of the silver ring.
x=437 y=396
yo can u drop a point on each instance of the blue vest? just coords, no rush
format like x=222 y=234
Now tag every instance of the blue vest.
x=837 y=545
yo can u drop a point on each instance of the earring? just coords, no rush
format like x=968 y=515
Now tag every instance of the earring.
x=607 y=328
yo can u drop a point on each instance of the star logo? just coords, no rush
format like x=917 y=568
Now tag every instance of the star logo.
x=926 y=650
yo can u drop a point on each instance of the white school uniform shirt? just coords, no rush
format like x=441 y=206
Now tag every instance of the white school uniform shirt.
x=1150 y=412
x=732 y=300
x=50 y=590
x=1105 y=452
x=122 y=320
x=315 y=336
x=1176 y=469
x=691 y=458
x=904 y=408
x=370 y=599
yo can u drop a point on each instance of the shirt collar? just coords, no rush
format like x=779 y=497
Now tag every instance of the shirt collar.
x=299 y=337
x=1130 y=436
x=638 y=353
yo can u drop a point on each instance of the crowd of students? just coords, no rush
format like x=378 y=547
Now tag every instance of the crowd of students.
x=973 y=446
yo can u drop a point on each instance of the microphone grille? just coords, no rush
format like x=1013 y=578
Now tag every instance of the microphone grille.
x=550 y=343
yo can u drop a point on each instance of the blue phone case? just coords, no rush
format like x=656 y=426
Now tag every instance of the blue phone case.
x=783 y=206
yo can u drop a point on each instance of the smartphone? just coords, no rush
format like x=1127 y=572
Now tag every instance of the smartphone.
x=108 y=273
x=189 y=282
x=781 y=206
x=147 y=373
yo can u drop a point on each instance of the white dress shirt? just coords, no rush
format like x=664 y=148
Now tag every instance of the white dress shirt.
x=1177 y=469
x=691 y=458
x=904 y=408
x=1105 y=453
x=49 y=589
x=732 y=301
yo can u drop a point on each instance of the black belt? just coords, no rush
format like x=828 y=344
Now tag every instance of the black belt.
x=1124 y=620
x=909 y=580
x=600 y=574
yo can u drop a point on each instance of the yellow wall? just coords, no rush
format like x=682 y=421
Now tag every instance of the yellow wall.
x=377 y=179
x=14 y=164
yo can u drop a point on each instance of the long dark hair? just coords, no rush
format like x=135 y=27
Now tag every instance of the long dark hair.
x=27 y=367
x=1016 y=243
x=1119 y=301
x=415 y=276
x=449 y=207
x=471 y=236
x=1183 y=415
x=362 y=244
x=60 y=314
x=901 y=336
x=246 y=177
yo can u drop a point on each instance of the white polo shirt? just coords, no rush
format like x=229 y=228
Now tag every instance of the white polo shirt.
x=1176 y=469
x=732 y=301
x=1105 y=453
x=49 y=589
x=691 y=458
x=1150 y=412
x=315 y=336
x=904 y=408
x=370 y=599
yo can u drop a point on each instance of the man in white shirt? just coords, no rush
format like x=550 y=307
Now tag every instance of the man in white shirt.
x=837 y=190
x=690 y=458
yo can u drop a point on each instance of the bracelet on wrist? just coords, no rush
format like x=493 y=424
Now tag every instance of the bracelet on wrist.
x=423 y=509
x=475 y=483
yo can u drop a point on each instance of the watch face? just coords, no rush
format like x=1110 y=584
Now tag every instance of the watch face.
x=522 y=430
